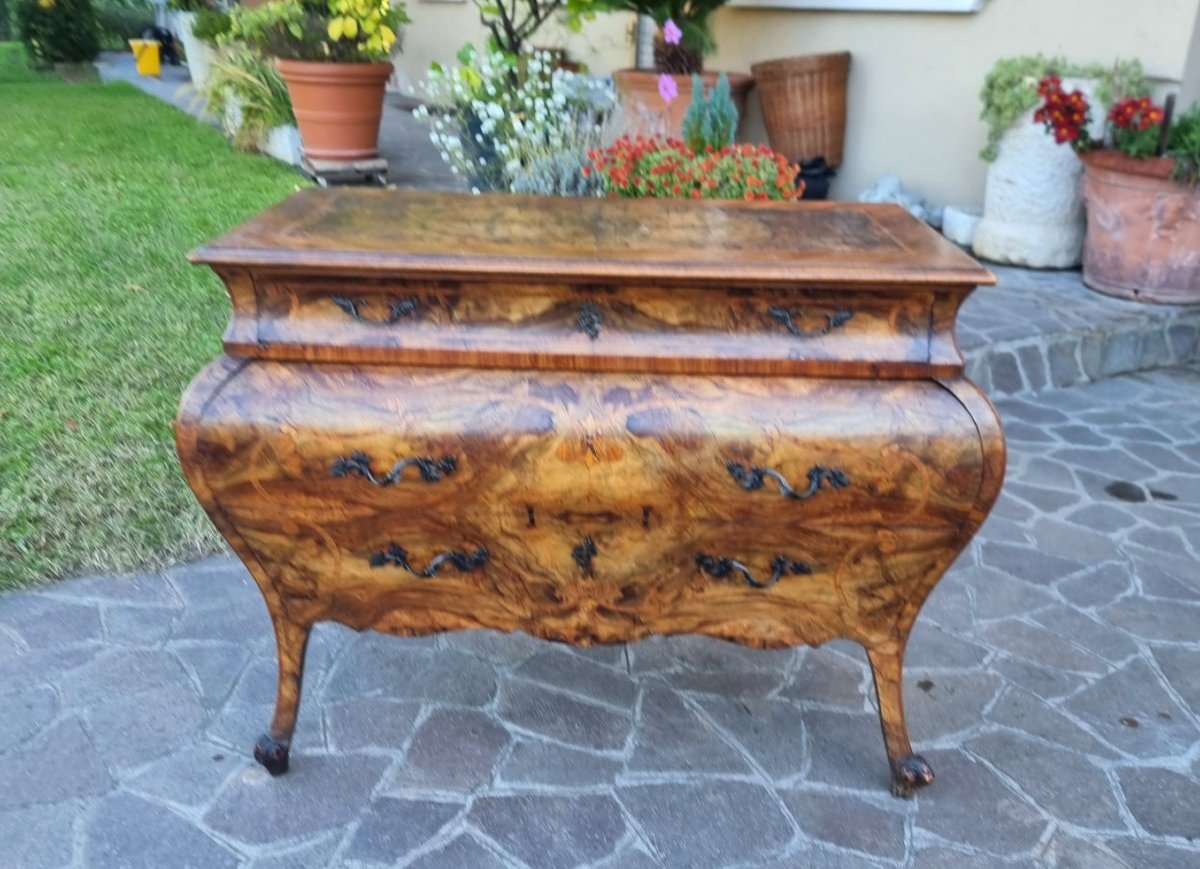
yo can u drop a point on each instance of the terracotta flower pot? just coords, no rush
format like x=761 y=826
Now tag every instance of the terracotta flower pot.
x=1143 y=230
x=337 y=106
x=639 y=87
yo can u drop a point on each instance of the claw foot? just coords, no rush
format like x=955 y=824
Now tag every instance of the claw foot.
x=910 y=775
x=272 y=755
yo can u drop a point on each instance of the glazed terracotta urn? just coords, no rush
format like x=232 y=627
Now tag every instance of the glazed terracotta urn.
x=1143 y=230
x=338 y=107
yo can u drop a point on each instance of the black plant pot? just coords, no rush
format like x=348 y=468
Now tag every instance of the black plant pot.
x=816 y=175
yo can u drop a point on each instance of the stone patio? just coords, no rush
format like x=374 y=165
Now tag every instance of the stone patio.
x=1053 y=683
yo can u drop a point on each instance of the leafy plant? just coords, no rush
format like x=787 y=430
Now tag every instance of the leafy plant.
x=245 y=90
x=189 y=5
x=1136 y=126
x=711 y=120
x=1184 y=146
x=1066 y=115
x=669 y=169
x=517 y=124
x=511 y=23
x=58 y=31
x=692 y=18
x=340 y=31
x=1011 y=89
x=121 y=20
x=211 y=24
x=6 y=27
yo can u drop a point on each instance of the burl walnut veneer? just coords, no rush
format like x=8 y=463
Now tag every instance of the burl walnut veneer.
x=592 y=421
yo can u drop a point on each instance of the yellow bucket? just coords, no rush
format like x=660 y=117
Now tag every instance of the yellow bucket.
x=145 y=53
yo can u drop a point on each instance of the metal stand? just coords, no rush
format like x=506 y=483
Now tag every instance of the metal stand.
x=329 y=172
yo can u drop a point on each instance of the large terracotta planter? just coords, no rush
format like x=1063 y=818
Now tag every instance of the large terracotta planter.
x=639 y=87
x=337 y=106
x=1143 y=230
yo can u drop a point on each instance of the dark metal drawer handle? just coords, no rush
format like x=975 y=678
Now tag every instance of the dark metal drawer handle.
x=396 y=555
x=584 y=553
x=818 y=477
x=832 y=321
x=432 y=470
x=721 y=568
x=590 y=320
x=398 y=310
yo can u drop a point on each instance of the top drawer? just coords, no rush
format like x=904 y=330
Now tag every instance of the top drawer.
x=865 y=331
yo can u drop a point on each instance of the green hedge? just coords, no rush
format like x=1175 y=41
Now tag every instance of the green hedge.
x=121 y=21
x=63 y=32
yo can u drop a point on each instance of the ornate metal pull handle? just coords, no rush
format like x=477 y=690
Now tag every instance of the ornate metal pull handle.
x=818 y=477
x=397 y=311
x=590 y=320
x=432 y=470
x=396 y=555
x=832 y=321
x=721 y=568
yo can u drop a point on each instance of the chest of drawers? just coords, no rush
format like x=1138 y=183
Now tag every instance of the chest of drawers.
x=592 y=421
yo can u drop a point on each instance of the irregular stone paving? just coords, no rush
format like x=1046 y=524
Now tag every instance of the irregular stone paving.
x=1053 y=683
x=1038 y=330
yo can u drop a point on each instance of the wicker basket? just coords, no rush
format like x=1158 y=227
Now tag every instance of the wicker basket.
x=804 y=104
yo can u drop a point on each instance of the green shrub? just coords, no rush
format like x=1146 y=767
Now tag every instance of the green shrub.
x=210 y=25
x=121 y=21
x=711 y=120
x=1184 y=146
x=245 y=91
x=6 y=29
x=62 y=31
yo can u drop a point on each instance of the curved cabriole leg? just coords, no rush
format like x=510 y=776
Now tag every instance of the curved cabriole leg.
x=271 y=750
x=910 y=772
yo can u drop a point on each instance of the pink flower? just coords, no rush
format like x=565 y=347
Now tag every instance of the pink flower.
x=667 y=88
x=671 y=32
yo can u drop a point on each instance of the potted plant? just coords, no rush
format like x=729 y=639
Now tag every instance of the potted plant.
x=333 y=55
x=199 y=29
x=684 y=38
x=670 y=169
x=62 y=34
x=1141 y=192
x=245 y=91
x=518 y=123
x=1033 y=214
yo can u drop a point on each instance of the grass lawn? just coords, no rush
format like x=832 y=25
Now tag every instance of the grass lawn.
x=103 y=191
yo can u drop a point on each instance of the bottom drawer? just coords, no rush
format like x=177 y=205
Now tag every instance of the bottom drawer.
x=590 y=508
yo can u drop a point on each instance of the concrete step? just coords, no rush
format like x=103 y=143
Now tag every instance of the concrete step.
x=1038 y=330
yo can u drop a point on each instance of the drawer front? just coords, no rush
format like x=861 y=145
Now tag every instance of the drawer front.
x=598 y=327
x=595 y=506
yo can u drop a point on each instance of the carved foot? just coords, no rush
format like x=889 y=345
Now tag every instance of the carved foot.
x=272 y=755
x=910 y=775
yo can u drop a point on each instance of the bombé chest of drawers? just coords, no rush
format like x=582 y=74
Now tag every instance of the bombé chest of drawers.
x=592 y=421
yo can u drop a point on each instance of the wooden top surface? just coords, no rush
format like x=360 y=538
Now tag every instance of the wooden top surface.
x=447 y=235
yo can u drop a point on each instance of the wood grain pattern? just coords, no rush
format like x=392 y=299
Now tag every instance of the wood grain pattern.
x=371 y=233
x=593 y=445
x=636 y=328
